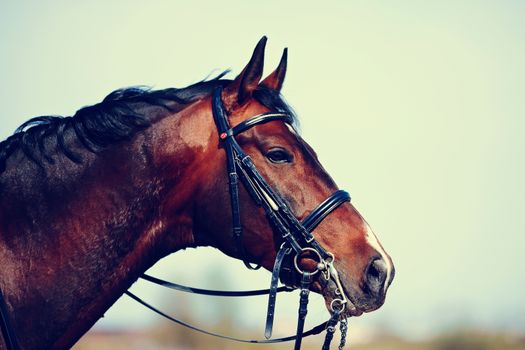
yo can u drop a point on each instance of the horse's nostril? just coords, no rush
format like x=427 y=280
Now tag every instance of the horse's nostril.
x=375 y=276
x=373 y=272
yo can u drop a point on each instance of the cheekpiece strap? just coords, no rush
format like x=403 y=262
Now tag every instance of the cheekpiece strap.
x=306 y=280
x=330 y=330
x=221 y=120
x=272 y=295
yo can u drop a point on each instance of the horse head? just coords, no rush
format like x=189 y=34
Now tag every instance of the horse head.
x=290 y=166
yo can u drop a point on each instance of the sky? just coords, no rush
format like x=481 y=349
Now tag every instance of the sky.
x=415 y=107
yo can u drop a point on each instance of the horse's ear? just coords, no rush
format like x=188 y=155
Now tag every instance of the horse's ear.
x=247 y=81
x=276 y=79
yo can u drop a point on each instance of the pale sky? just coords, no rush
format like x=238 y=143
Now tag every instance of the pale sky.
x=415 y=107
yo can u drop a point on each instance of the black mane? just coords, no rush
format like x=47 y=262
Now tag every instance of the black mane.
x=114 y=119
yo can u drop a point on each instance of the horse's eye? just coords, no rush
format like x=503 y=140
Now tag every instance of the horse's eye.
x=279 y=155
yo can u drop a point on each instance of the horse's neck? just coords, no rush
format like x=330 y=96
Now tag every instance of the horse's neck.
x=67 y=254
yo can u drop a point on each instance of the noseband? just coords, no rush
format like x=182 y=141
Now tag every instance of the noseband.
x=295 y=238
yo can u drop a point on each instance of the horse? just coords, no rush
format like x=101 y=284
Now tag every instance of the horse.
x=89 y=202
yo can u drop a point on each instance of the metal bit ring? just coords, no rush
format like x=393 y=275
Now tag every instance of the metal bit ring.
x=342 y=306
x=296 y=264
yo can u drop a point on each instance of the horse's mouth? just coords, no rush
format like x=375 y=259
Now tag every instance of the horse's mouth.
x=328 y=291
x=351 y=308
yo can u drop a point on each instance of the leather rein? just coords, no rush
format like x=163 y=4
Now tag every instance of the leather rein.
x=296 y=237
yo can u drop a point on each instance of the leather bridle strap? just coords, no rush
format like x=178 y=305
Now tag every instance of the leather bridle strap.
x=272 y=293
x=306 y=280
x=325 y=208
x=315 y=330
x=233 y=182
x=256 y=120
x=330 y=330
x=8 y=332
x=211 y=292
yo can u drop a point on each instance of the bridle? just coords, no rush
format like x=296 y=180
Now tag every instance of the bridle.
x=297 y=241
x=296 y=237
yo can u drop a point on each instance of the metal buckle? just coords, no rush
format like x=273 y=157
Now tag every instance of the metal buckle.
x=288 y=250
x=326 y=268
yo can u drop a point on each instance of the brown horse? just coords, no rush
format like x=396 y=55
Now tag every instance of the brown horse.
x=90 y=202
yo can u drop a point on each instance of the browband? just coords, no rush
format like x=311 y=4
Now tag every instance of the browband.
x=256 y=120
